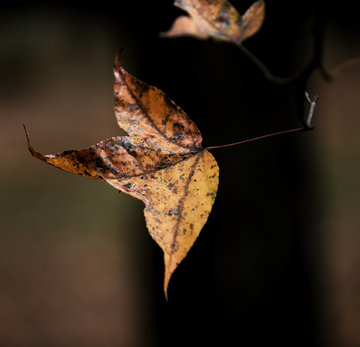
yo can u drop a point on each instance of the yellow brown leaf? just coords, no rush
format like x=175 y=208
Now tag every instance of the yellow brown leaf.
x=161 y=162
x=217 y=19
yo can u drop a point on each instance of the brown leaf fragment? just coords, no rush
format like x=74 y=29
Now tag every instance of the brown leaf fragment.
x=161 y=162
x=217 y=19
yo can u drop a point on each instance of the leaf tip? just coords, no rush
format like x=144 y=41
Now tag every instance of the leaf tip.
x=117 y=64
x=166 y=283
x=27 y=136
x=31 y=148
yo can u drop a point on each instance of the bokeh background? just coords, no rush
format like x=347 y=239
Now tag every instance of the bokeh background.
x=278 y=260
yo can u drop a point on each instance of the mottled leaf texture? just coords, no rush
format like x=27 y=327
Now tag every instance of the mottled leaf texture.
x=161 y=162
x=217 y=19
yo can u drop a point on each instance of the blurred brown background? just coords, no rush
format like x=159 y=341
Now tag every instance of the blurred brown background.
x=279 y=258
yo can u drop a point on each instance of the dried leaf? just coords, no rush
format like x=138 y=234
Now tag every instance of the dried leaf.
x=217 y=19
x=161 y=162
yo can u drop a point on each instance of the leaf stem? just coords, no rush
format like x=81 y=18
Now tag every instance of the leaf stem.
x=307 y=126
x=255 y=138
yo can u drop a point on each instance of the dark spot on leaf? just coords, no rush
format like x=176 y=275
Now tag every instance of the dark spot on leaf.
x=152 y=211
x=126 y=143
x=178 y=126
x=178 y=136
x=135 y=163
x=99 y=161
x=114 y=171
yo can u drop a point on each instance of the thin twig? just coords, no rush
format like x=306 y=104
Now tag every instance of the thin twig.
x=315 y=62
x=281 y=81
x=312 y=103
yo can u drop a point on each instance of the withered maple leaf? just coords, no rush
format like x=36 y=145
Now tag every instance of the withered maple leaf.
x=217 y=19
x=161 y=162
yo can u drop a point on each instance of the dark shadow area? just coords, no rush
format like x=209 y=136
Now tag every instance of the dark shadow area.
x=253 y=276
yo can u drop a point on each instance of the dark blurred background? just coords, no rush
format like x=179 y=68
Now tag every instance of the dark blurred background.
x=277 y=261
